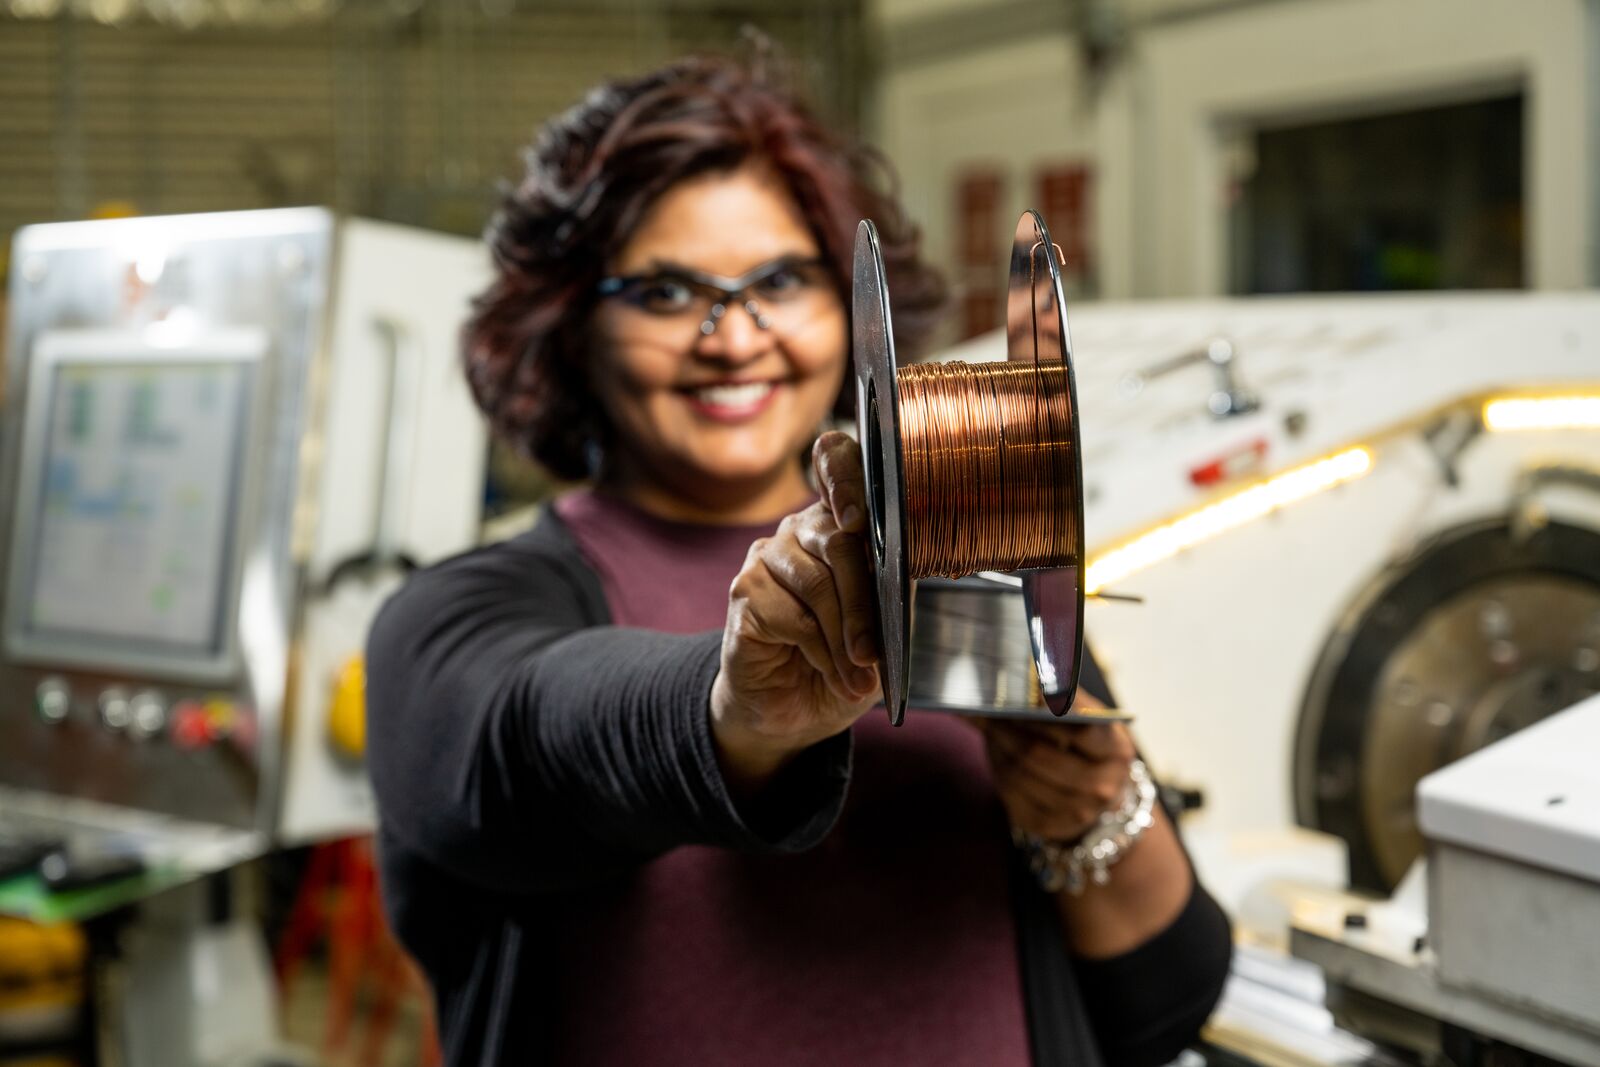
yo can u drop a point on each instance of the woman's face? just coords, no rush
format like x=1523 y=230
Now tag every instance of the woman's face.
x=711 y=397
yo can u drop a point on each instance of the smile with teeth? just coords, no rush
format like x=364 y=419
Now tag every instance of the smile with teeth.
x=739 y=395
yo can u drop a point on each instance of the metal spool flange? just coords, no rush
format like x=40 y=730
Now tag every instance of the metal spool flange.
x=878 y=431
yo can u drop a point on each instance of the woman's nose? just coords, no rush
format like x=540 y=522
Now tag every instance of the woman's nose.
x=738 y=335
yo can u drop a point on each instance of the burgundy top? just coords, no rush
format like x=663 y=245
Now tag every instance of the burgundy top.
x=560 y=853
x=718 y=957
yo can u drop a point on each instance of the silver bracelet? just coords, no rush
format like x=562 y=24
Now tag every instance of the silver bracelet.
x=1070 y=865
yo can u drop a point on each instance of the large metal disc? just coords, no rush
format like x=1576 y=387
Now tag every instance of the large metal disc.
x=1036 y=332
x=878 y=430
x=1475 y=636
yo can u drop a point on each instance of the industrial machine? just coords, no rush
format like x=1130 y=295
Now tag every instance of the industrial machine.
x=1487 y=953
x=226 y=437
x=1366 y=534
x=213 y=421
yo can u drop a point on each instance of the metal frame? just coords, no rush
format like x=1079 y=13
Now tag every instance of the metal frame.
x=53 y=352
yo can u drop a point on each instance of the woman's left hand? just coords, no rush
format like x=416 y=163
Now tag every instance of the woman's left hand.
x=1056 y=780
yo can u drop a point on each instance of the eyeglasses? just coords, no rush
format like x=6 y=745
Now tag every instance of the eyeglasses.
x=784 y=295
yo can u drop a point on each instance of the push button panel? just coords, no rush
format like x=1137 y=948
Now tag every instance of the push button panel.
x=186 y=718
x=152 y=744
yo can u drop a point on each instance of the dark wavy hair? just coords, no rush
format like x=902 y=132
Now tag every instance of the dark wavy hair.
x=593 y=172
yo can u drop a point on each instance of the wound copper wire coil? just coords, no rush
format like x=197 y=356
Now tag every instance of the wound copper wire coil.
x=986 y=455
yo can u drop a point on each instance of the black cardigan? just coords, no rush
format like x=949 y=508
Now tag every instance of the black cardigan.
x=573 y=751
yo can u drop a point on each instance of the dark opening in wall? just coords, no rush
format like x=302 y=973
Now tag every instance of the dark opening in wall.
x=1425 y=199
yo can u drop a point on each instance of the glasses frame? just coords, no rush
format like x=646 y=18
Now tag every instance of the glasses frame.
x=727 y=291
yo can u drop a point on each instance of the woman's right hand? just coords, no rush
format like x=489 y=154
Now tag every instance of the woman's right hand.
x=798 y=650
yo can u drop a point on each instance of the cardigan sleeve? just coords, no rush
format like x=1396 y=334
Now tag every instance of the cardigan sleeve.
x=1148 y=1004
x=522 y=747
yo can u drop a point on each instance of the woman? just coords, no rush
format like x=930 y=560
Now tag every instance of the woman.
x=633 y=810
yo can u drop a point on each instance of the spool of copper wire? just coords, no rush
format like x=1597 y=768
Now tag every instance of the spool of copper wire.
x=975 y=467
x=986 y=450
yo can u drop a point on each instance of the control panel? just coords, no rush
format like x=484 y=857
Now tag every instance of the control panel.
x=187 y=719
x=192 y=751
x=224 y=438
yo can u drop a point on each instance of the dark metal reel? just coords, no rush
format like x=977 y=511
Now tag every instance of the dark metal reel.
x=878 y=431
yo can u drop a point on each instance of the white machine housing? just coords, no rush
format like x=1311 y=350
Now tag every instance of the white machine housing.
x=182 y=586
x=1220 y=664
x=1489 y=949
x=1514 y=869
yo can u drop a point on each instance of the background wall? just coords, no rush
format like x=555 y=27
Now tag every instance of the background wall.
x=1160 y=100
x=390 y=108
x=1139 y=114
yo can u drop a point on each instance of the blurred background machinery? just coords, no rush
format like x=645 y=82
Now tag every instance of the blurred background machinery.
x=1478 y=959
x=1363 y=538
x=1366 y=534
x=226 y=438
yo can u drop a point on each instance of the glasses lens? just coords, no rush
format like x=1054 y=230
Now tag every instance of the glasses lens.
x=790 y=283
x=795 y=297
x=664 y=295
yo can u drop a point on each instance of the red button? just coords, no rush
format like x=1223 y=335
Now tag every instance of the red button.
x=190 y=728
x=1237 y=463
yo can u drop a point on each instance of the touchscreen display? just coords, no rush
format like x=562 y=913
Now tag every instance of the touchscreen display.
x=133 y=528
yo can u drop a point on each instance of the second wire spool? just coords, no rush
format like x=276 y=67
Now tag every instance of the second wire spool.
x=995 y=480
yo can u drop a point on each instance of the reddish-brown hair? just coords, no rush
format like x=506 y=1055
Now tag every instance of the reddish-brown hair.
x=593 y=172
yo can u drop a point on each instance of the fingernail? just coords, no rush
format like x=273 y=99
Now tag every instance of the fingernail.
x=862 y=678
x=850 y=517
x=862 y=649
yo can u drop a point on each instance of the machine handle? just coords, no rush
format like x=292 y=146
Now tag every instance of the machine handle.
x=399 y=345
x=1528 y=516
x=399 y=349
x=1228 y=397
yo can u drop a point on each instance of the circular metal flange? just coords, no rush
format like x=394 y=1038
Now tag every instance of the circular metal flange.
x=1478 y=634
x=1036 y=332
x=878 y=431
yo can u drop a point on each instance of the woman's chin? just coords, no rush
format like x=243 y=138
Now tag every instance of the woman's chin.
x=740 y=478
x=728 y=474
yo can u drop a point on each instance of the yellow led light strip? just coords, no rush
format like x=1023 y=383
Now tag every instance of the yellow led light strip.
x=1501 y=414
x=1228 y=513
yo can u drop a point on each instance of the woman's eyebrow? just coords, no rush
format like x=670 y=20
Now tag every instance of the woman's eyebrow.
x=668 y=266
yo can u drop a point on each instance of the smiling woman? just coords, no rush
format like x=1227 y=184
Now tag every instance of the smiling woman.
x=602 y=196
x=714 y=378
x=612 y=755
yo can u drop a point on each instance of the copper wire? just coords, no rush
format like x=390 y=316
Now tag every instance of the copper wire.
x=987 y=467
